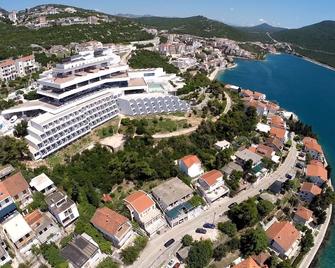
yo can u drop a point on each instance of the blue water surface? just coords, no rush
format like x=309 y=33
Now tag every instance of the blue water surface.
x=304 y=88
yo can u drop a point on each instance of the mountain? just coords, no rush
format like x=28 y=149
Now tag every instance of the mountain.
x=316 y=41
x=3 y=11
x=200 y=26
x=262 y=28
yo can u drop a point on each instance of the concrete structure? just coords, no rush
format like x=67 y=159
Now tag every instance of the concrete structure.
x=284 y=238
x=81 y=93
x=82 y=252
x=246 y=155
x=43 y=184
x=18 y=189
x=212 y=186
x=19 y=232
x=317 y=173
x=113 y=225
x=247 y=263
x=172 y=196
x=191 y=165
x=62 y=208
x=4 y=255
x=308 y=191
x=44 y=228
x=222 y=145
x=144 y=211
x=7 y=205
x=303 y=216
x=230 y=167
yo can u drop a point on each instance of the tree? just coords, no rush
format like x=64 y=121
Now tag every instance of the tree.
x=244 y=214
x=227 y=228
x=130 y=254
x=254 y=241
x=20 y=129
x=220 y=252
x=200 y=254
x=284 y=264
x=307 y=241
x=264 y=207
x=233 y=244
x=108 y=263
x=12 y=150
x=187 y=240
x=52 y=254
x=38 y=202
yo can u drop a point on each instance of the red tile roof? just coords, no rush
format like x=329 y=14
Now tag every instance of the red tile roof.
x=311 y=188
x=16 y=184
x=6 y=63
x=278 y=132
x=312 y=144
x=140 y=201
x=247 y=263
x=3 y=191
x=190 y=160
x=108 y=220
x=27 y=58
x=106 y=198
x=33 y=217
x=284 y=233
x=304 y=213
x=211 y=177
x=264 y=150
x=316 y=169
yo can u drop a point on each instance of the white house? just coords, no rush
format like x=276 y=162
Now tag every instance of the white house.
x=191 y=165
x=62 y=208
x=43 y=184
x=212 y=186
x=144 y=211
x=222 y=145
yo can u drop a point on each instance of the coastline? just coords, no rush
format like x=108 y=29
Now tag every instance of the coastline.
x=213 y=75
x=317 y=63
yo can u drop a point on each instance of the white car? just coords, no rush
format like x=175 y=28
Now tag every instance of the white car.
x=171 y=263
x=13 y=119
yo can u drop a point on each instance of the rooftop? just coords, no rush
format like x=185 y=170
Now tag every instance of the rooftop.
x=41 y=182
x=16 y=184
x=304 y=213
x=247 y=263
x=284 y=233
x=312 y=144
x=316 y=169
x=190 y=160
x=278 y=132
x=7 y=170
x=16 y=227
x=246 y=155
x=172 y=190
x=211 y=177
x=311 y=188
x=140 y=201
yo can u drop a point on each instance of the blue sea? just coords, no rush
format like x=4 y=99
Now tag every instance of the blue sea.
x=304 y=88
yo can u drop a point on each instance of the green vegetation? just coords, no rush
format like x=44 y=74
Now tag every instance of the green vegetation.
x=264 y=207
x=187 y=240
x=200 y=254
x=31 y=95
x=200 y=80
x=149 y=59
x=254 y=241
x=227 y=228
x=12 y=150
x=51 y=253
x=201 y=26
x=38 y=202
x=19 y=39
x=20 y=129
x=106 y=131
x=196 y=201
x=108 y=263
x=220 y=252
x=244 y=214
x=131 y=253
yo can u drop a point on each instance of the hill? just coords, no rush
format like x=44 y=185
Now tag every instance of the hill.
x=261 y=28
x=316 y=41
x=200 y=26
x=3 y=11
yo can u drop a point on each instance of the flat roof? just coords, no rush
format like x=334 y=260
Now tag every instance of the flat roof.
x=41 y=182
x=16 y=227
x=7 y=170
x=246 y=155
x=172 y=190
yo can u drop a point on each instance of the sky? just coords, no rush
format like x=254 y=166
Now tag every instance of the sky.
x=283 y=13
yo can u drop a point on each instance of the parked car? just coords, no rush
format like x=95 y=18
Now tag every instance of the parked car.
x=299 y=165
x=209 y=225
x=232 y=205
x=169 y=243
x=171 y=264
x=200 y=230
x=289 y=176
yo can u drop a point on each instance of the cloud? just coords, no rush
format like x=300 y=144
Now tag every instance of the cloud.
x=232 y=9
x=262 y=20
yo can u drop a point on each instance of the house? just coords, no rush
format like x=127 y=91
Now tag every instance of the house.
x=18 y=189
x=172 y=196
x=283 y=238
x=143 y=209
x=230 y=167
x=62 y=208
x=19 y=232
x=313 y=148
x=276 y=187
x=263 y=128
x=261 y=108
x=261 y=258
x=43 y=184
x=247 y=263
x=191 y=165
x=4 y=255
x=279 y=133
x=212 y=186
x=303 y=215
x=45 y=229
x=252 y=94
x=6 y=171
x=272 y=107
x=7 y=205
x=114 y=226
x=276 y=121
x=242 y=157
x=308 y=191
x=106 y=198
x=222 y=145
x=264 y=151
x=275 y=143
x=82 y=252
x=317 y=173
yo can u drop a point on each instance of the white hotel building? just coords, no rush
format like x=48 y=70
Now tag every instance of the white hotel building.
x=82 y=92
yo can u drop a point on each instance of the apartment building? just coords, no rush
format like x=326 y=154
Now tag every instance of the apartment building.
x=7 y=205
x=7 y=70
x=62 y=208
x=82 y=92
x=10 y=69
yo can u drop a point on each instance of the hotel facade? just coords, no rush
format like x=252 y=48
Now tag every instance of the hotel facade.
x=84 y=91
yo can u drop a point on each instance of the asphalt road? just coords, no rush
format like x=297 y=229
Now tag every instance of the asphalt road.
x=155 y=254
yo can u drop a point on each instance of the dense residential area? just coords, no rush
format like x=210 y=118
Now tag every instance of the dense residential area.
x=127 y=152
